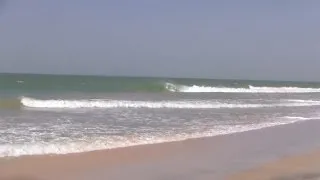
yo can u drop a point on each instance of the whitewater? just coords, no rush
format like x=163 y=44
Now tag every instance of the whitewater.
x=71 y=114
x=101 y=143
x=72 y=104
x=250 y=89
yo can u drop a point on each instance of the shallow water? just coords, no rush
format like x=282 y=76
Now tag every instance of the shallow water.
x=57 y=115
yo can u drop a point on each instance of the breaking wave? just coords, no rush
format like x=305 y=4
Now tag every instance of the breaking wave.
x=101 y=103
x=251 y=89
x=301 y=118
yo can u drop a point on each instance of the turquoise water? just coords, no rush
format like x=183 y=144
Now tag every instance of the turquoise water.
x=50 y=114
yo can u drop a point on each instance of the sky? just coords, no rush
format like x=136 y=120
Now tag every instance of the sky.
x=229 y=39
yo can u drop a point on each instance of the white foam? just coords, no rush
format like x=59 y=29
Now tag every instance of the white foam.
x=250 y=89
x=303 y=101
x=72 y=104
x=301 y=118
x=99 y=143
x=284 y=89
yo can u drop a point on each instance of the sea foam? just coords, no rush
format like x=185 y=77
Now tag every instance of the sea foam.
x=251 y=89
x=72 y=104
x=101 y=143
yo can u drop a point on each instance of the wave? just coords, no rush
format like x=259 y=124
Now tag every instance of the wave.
x=73 y=104
x=301 y=118
x=115 y=85
x=112 y=142
x=251 y=89
x=302 y=101
x=30 y=84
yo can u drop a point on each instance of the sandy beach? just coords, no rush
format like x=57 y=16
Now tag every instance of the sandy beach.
x=269 y=153
x=301 y=167
x=159 y=90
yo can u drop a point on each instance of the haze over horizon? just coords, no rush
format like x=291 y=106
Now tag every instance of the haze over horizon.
x=213 y=39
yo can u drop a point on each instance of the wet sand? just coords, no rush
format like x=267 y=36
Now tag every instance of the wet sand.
x=300 y=167
x=247 y=155
x=64 y=166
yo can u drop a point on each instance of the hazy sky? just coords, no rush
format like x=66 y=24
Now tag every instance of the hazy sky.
x=270 y=39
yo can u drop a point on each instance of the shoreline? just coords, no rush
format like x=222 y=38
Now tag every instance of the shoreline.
x=15 y=166
x=191 y=138
x=204 y=158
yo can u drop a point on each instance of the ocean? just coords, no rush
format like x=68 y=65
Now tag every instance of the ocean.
x=59 y=114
